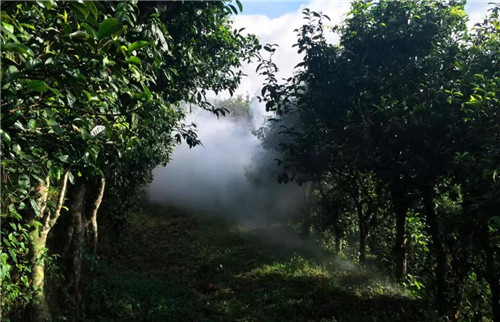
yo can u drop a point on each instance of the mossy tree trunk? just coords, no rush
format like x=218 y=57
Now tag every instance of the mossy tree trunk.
x=400 y=204
x=41 y=225
x=307 y=219
x=40 y=308
x=93 y=215
x=491 y=273
x=438 y=247
x=75 y=241
x=338 y=239
x=363 y=232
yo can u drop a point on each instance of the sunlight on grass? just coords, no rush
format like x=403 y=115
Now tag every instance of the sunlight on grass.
x=295 y=267
x=187 y=268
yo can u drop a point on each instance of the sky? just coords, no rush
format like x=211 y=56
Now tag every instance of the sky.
x=271 y=9
x=276 y=8
x=274 y=22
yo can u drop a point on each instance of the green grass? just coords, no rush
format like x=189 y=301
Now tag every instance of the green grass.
x=169 y=266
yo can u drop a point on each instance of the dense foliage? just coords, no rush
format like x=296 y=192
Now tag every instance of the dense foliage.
x=396 y=131
x=237 y=108
x=91 y=95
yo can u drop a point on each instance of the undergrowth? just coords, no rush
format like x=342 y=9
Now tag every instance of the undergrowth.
x=170 y=266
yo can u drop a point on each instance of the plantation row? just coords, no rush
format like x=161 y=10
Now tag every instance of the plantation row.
x=91 y=95
x=395 y=132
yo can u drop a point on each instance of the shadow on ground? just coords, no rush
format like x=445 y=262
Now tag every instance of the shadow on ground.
x=169 y=266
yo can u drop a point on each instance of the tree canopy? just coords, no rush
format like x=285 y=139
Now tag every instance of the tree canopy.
x=92 y=93
x=404 y=101
x=394 y=132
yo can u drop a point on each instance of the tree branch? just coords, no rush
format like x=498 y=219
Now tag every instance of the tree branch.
x=93 y=217
x=51 y=220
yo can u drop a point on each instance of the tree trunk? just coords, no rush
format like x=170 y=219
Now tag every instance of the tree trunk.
x=76 y=242
x=93 y=216
x=363 y=233
x=38 y=240
x=306 y=225
x=491 y=272
x=338 y=240
x=362 y=245
x=399 y=201
x=437 y=243
x=459 y=255
x=40 y=308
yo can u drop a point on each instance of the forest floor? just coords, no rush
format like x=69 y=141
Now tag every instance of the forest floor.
x=170 y=266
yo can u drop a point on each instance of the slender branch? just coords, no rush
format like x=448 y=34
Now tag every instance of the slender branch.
x=93 y=218
x=51 y=220
x=42 y=202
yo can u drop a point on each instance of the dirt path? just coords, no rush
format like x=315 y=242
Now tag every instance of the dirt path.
x=168 y=266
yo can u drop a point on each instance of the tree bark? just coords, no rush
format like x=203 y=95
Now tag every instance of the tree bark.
x=93 y=216
x=438 y=247
x=306 y=225
x=38 y=241
x=76 y=241
x=362 y=245
x=363 y=233
x=338 y=240
x=491 y=273
x=399 y=201
x=40 y=309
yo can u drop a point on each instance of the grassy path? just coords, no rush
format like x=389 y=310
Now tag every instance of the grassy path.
x=172 y=267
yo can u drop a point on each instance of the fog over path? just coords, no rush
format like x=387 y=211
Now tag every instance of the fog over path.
x=214 y=178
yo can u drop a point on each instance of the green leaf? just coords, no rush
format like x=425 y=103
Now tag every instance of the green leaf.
x=27 y=26
x=108 y=27
x=56 y=173
x=32 y=124
x=51 y=122
x=35 y=206
x=5 y=137
x=13 y=255
x=8 y=27
x=51 y=205
x=79 y=9
x=495 y=222
x=233 y=8
x=92 y=8
x=18 y=48
x=85 y=134
x=108 y=62
x=56 y=91
x=135 y=120
x=147 y=92
x=37 y=224
x=3 y=258
x=137 y=45
x=80 y=34
x=37 y=86
x=12 y=74
x=89 y=29
x=134 y=60
x=240 y=6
